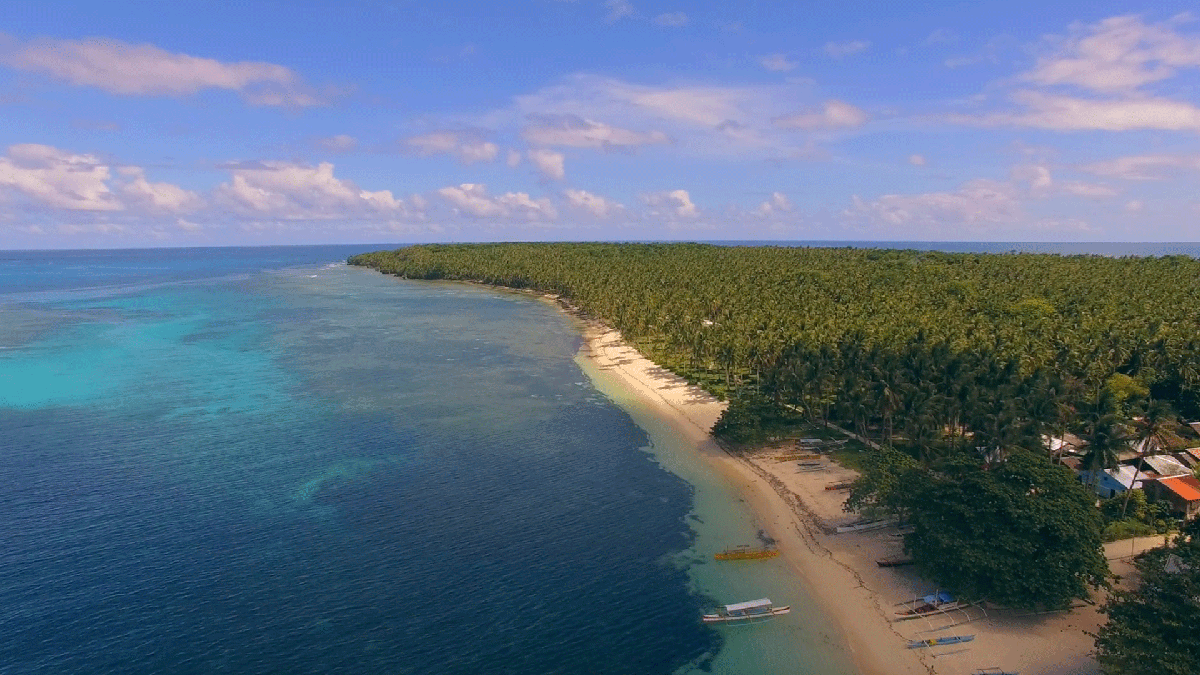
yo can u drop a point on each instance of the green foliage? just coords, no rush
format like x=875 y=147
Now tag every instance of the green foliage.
x=1022 y=533
x=754 y=418
x=924 y=350
x=887 y=477
x=1124 y=387
x=936 y=354
x=1152 y=629
x=1114 y=509
x=1127 y=529
x=1139 y=518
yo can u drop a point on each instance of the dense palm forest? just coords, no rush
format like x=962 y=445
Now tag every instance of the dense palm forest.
x=930 y=351
x=958 y=365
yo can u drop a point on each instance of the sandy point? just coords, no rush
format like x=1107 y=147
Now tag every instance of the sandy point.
x=801 y=515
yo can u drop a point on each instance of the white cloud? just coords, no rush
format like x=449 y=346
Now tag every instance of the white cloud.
x=841 y=49
x=1089 y=190
x=832 y=115
x=596 y=205
x=1066 y=113
x=468 y=147
x=1144 y=167
x=697 y=120
x=916 y=160
x=1041 y=183
x=189 y=227
x=142 y=195
x=1116 y=55
x=778 y=63
x=673 y=204
x=58 y=179
x=94 y=228
x=1036 y=175
x=671 y=19
x=778 y=203
x=940 y=36
x=514 y=159
x=122 y=68
x=339 y=143
x=286 y=191
x=1106 y=67
x=575 y=131
x=976 y=205
x=1134 y=206
x=471 y=199
x=548 y=162
x=618 y=9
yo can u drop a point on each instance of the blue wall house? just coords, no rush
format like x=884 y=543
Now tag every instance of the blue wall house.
x=1113 y=482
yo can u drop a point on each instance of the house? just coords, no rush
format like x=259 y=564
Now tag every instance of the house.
x=1189 y=458
x=1165 y=466
x=1067 y=444
x=1112 y=482
x=1181 y=492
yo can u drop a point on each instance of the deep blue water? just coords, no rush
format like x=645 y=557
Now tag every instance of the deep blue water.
x=251 y=461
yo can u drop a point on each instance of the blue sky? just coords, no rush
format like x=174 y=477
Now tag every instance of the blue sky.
x=207 y=123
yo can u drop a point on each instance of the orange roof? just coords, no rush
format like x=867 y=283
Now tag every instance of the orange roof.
x=1187 y=487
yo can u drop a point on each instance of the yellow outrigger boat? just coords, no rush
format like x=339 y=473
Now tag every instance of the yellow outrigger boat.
x=744 y=552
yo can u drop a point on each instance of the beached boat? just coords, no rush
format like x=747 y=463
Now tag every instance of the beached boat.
x=938 y=641
x=893 y=562
x=843 y=485
x=930 y=604
x=745 y=552
x=863 y=525
x=993 y=670
x=798 y=456
x=747 y=612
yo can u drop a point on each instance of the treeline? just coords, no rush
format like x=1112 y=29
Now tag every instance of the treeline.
x=959 y=364
x=929 y=350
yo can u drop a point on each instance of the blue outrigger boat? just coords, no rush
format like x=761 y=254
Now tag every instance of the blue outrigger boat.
x=939 y=641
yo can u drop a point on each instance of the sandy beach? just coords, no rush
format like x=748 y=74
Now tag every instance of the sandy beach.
x=796 y=510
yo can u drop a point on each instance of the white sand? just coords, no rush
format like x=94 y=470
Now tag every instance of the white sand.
x=854 y=591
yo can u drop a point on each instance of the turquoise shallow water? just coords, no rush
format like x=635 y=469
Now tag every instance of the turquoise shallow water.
x=282 y=465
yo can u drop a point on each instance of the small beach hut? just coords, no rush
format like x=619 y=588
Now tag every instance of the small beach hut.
x=1181 y=492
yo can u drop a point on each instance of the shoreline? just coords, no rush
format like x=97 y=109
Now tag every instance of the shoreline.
x=859 y=596
x=872 y=647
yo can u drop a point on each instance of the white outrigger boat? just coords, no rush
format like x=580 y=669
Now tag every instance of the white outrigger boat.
x=749 y=612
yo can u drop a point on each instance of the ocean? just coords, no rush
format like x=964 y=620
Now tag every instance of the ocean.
x=262 y=460
x=252 y=460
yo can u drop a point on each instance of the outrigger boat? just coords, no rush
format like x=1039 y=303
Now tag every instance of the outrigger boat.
x=744 y=552
x=749 y=612
x=930 y=604
x=938 y=641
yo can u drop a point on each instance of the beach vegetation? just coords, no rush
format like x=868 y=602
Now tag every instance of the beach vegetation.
x=1021 y=533
x=964 y=363
x=1152 y=627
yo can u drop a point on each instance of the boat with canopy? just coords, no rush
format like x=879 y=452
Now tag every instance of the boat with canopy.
x=747 y=612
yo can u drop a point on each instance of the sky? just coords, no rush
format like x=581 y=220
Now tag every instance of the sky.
x=138 y=124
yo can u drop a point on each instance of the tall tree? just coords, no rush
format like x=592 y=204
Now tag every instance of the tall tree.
x=1152 y=629
x=1150 y=431
x=1023 y=533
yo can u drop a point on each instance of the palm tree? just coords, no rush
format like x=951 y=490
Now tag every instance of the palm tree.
x=1149 y=432
x=1105 y=437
